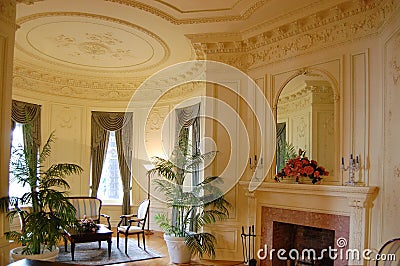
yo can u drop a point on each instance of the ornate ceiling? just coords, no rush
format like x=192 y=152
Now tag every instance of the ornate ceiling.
x=83 y=45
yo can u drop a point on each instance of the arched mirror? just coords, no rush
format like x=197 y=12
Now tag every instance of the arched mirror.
x=305 y=116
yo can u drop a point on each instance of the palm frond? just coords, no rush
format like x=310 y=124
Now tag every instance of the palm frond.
x=196 y=160
x=163 y=168
x=46 y=150
x=50 y=210
x=201 y=244
x=62 y=170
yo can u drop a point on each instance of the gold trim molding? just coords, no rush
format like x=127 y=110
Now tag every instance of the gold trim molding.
x=164 y=15
x=198 y=10
x=28 y=2
x=7 y=12
x=339 y=25
x=28 y=79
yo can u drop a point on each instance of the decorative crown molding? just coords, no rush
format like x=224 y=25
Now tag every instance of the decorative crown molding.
x=7 y=12
x=28 y=79
x=339 y=25
x=28 y=2
x=164 y=15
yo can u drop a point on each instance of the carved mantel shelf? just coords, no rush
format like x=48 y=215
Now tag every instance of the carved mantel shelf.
x=361 y=192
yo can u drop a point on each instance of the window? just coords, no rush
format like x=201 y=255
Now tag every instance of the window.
x=188 y=182
x=16 y=189
x=110 y=187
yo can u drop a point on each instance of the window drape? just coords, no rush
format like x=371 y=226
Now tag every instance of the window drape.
x=189 y=117
x=27 y=114
x=280 y=145
x=122 y=124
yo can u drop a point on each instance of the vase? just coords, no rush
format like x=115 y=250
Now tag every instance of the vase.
x=16 y=254
x=308 y=181
x=178 y=251
x=288 y=180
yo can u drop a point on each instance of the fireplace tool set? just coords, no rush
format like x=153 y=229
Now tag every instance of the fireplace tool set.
x=248 y=245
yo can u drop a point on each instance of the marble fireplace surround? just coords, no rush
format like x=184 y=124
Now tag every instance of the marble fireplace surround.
x=309 y=205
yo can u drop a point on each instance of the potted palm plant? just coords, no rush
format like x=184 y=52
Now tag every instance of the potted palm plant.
x=191 y=208
x=44 y=209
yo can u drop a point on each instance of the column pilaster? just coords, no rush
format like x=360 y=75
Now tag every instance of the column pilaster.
x=7 y=37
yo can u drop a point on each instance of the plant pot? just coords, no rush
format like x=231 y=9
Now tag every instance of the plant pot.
x=16 y=254
x=177 y=249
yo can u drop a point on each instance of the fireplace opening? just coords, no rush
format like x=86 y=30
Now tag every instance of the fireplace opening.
x=303 y=245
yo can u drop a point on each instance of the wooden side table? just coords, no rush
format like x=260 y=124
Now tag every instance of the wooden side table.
x=101 y=234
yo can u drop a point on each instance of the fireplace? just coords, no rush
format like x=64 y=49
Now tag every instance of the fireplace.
x=306 y=243
x=292 y=229
x=342 y=209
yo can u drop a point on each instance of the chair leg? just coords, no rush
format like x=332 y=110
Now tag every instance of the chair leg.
x=138 y=240
x=126 y=244
x=118 y=239
x=144 y=241
x=99 y=244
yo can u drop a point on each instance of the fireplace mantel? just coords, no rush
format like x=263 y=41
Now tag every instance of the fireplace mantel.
x=357 y=192
x=355 y=202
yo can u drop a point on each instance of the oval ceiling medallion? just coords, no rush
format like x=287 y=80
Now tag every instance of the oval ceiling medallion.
x=90 y=41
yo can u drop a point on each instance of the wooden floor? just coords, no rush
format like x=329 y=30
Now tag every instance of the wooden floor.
x=156 y=242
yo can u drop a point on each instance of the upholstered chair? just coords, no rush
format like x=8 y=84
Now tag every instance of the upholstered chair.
x=133 y=224
x=389 y=254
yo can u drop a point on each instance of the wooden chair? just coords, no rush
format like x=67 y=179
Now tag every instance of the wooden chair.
x=135 y=224
x=390 y=251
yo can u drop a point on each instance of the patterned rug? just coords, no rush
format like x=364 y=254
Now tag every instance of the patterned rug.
x=90 y=254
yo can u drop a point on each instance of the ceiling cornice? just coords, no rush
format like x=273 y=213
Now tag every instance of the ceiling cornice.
x=246 y=13
x=198 y=10
x=337 y=26
x=7 y=12
x=28 y=2
x=29 y=79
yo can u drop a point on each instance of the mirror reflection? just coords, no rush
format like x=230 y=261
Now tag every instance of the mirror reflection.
x=305 y=120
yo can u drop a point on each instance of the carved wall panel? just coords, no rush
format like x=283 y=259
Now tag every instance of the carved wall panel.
x=359 y=113
x=227 y=239
x=158 y=130
x=324 y=144
x=300 y=133
x=69 y=130
x=391 y=160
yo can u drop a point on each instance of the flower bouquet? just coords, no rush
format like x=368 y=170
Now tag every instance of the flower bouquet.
x=88 y=225
x=302 y=166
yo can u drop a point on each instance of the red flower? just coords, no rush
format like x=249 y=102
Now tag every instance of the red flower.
x=302 y=166
x=308 y=170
